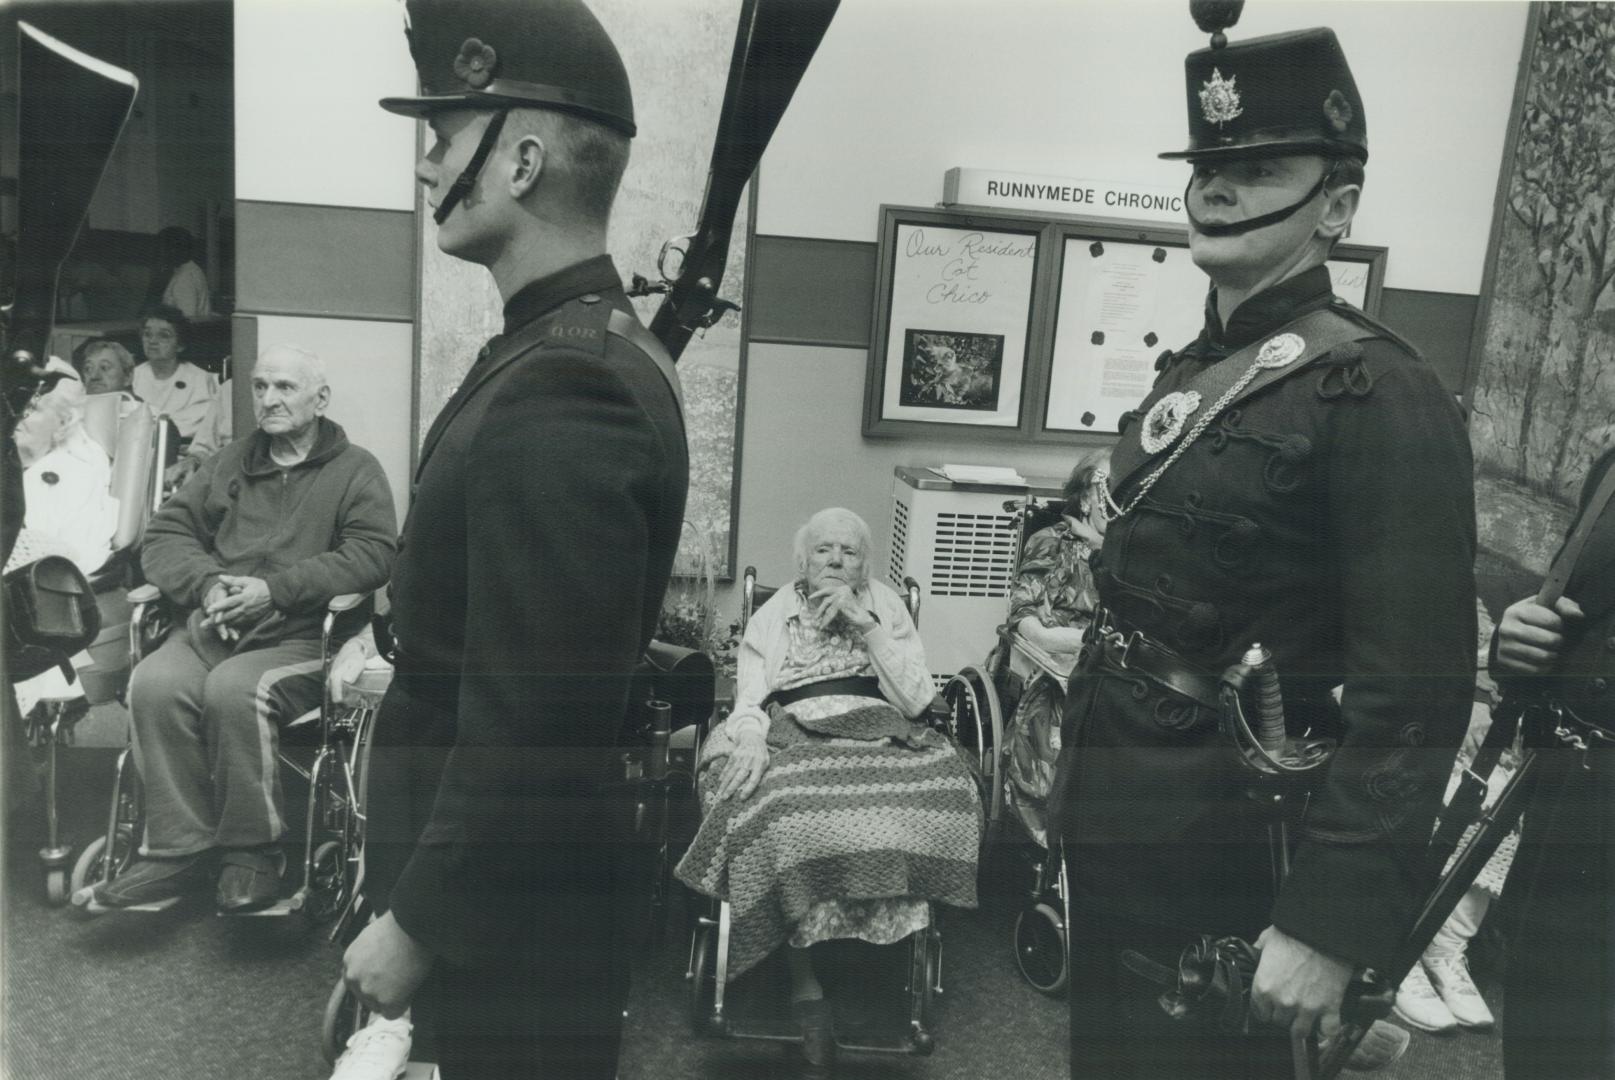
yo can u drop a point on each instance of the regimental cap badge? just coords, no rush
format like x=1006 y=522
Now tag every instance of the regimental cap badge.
x=1219 y=100
x=1280 y=351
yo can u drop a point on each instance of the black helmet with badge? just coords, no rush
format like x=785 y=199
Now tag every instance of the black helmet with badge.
x=504 y=54
x=511 y=54
x=1269 y=96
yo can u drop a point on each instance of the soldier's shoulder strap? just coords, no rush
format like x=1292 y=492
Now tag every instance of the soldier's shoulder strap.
x=1379 y=329
x=624 y=325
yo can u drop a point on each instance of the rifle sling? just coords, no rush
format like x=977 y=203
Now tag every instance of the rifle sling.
x=1564 y=564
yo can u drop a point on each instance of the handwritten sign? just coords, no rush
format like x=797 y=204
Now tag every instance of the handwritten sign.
x=957 y=335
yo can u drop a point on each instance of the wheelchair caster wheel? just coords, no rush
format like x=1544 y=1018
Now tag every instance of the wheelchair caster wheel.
x=921 y=1043
x=91 y=865
x=1040 y=947
x=56 y=890
x=328 y=881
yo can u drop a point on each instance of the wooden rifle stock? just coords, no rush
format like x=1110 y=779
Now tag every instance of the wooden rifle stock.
x=774 y=42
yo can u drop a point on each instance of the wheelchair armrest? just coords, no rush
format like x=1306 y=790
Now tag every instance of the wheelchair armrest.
x=345 y=602
x=144 y=594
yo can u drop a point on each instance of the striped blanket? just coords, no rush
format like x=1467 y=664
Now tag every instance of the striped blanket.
x=860 y=805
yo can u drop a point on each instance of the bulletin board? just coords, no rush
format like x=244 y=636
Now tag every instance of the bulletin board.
x=1037 y=327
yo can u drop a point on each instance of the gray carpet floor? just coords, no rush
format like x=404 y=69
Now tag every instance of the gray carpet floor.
x=186 y=995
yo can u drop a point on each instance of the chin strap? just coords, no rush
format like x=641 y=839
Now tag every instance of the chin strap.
x=1238 y=227
x=468 y=176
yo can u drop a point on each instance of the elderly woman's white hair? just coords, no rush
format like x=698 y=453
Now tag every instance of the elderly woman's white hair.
x=824 y=518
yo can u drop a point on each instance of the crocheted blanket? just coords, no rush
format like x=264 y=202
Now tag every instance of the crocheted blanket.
x=861 y=805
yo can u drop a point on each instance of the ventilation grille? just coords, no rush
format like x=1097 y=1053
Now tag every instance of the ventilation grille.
x=972 y=555
x=899 y=540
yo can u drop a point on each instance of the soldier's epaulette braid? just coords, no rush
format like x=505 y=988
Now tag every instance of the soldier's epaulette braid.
x=1345 y=372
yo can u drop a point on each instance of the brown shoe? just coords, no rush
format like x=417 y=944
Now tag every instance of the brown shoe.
x=249 y=879
x=818 y=1038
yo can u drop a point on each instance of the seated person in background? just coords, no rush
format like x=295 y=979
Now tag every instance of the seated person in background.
x=66 y=480
x=108 y=368
x=831 y=678
x=212 y=435
x=172 y=387
x=252 y=548
x=1053 y=597
x=70 y=509
x=184 y=282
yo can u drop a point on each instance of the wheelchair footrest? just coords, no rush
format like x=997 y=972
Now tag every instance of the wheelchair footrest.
x=280 y=909
x=84 y=901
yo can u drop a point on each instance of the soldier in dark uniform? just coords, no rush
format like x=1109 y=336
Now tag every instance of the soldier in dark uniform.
x=1560 y=986
x=1297 y=478
x=545 y=515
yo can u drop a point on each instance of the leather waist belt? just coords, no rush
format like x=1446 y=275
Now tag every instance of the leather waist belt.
x=858 y=685
x=1132 y=651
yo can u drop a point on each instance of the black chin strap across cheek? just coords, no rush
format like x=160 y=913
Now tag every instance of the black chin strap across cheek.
x=1261 y=222
x=468 y=176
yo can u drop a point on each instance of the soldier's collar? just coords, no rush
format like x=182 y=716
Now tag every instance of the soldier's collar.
x=1259 y=315
x=540 y=297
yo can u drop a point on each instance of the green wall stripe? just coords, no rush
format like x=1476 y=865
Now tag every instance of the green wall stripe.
x=821 y=292
x=325 y=261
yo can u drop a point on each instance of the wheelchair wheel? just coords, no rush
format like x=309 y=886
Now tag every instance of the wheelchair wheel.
x=1040 y=947
x=703 y=979
x=977 y=723
x=343 y=1016
x=91 y=865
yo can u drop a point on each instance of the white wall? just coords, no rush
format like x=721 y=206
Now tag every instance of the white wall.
x=902 y=90
x=308 y=130
x=308 y=76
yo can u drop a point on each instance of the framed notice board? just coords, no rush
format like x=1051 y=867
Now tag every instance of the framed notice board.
x=998 y=325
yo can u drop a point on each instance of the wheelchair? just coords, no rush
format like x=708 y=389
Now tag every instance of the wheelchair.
x=334 y=822
x=136 y=443
x=995 y=702
x=707 y=972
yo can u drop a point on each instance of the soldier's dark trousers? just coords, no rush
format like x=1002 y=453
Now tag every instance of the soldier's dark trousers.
x=1119 y=1030
x=544 y=999
x=531 y=1024
x=1559 y=996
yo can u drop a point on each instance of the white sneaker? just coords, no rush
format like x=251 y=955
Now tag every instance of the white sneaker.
x=377 y=1051
x=1418 y=1003
x=1450 y=977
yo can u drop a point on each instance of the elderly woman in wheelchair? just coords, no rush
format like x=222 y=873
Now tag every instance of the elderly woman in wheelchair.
x=831 y=810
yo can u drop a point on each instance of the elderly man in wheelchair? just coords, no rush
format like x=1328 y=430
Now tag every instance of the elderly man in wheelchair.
x=831 y=811
x=249 y=552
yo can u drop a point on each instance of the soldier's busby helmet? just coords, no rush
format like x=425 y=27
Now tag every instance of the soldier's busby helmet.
x=1270 y=96
x=497 y=54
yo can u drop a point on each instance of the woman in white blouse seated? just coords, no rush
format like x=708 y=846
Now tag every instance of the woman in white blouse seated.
x=830 y=811
x=172 y=386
